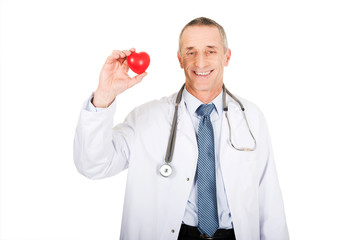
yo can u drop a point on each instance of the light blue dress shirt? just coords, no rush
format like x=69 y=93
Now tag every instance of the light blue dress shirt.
x=190 y=216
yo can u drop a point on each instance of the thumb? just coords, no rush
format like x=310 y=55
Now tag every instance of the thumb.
x=135 y=80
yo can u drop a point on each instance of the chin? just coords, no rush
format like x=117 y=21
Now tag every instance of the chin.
x=201 y=86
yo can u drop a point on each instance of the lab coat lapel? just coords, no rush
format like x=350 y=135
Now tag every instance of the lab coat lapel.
x=185 y=125
x=185 y=151
x=236 y=119
x=235 y=171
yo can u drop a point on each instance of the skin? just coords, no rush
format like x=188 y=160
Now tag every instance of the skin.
x=201 y=51
x=114 y=78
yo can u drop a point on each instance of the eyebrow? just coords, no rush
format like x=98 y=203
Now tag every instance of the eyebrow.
x=209 y=46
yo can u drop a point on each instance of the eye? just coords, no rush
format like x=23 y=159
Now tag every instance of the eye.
x=191 y=53
x=212 y=52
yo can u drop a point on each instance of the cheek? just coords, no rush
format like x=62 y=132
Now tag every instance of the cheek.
x=221 y=63
x=187 y=63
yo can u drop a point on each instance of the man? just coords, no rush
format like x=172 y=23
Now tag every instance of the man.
x=214 y=191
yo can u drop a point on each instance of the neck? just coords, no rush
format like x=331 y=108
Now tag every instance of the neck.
x=205 y=96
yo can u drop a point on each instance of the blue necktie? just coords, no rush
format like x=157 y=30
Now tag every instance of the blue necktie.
x=206 y=175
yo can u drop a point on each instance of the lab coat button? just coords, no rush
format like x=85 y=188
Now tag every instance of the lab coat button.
x=187 y=179
x=172 y=230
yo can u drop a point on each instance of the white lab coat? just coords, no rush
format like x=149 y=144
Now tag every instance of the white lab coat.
x=154 y=205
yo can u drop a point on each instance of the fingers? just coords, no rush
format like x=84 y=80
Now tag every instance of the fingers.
x=118 y=55
x=138 y=78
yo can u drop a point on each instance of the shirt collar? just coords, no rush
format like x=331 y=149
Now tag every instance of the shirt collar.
x=192 y=103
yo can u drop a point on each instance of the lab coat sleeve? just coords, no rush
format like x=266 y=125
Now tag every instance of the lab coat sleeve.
x=99 y=149
x=272 y=216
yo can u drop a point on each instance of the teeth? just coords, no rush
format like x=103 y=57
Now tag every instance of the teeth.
x=202 y=74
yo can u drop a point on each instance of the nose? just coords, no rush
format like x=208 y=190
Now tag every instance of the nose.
x=200 y=61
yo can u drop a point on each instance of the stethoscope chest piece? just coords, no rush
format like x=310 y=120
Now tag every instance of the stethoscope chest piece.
x=165 y=170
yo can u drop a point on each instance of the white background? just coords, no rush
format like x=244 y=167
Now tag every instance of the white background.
x=298 y=61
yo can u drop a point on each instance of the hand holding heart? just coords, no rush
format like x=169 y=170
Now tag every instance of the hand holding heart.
x=114 y=78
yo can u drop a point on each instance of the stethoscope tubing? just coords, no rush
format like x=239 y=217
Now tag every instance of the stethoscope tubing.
x=171 y=143
x=166 y=169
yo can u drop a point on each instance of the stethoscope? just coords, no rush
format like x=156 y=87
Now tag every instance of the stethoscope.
x=166 y=169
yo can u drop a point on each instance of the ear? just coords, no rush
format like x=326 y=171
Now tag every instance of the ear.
x=227 y=57
x=179 y=58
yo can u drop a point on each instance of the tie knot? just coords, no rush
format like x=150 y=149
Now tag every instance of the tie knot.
x=205 y=109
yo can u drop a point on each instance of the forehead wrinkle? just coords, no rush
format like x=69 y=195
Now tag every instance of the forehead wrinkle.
x=217 y=36
x=208 y=46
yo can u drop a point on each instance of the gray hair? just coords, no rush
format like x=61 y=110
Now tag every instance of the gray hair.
x=203 y=21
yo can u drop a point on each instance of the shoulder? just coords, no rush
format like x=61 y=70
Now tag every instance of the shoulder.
x=236 y=103
x=252 y=113
x=157 y=105
x=153 y=109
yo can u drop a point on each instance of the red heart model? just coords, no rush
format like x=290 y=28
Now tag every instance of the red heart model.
x=138 y=62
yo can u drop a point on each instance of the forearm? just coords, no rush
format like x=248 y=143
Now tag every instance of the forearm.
x=103 y=99
x=95 y=153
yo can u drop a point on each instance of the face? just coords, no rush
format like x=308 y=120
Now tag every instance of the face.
x=203 y=59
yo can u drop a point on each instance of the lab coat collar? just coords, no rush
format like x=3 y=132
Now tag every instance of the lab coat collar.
x=231 y=103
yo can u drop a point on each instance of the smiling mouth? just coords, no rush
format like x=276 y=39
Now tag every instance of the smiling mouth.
x=203 y=74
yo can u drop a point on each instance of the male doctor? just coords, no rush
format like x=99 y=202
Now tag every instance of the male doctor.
x=214 y=191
